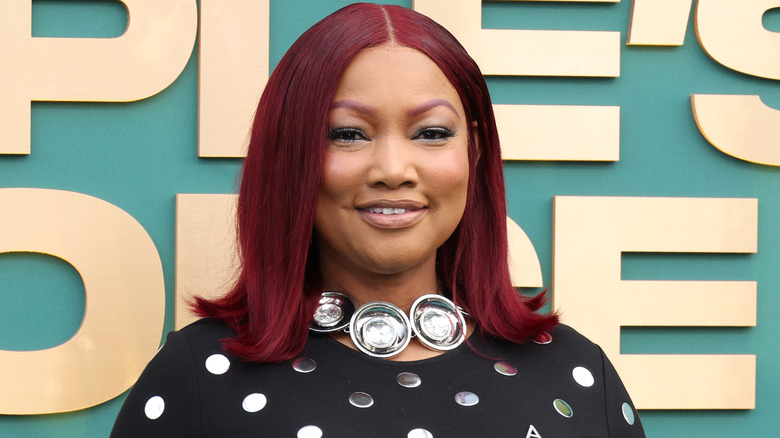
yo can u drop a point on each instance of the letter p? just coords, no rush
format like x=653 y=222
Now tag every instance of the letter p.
x=144 y=60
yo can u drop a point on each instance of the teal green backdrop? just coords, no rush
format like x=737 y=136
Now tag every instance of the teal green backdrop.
x=139 y=155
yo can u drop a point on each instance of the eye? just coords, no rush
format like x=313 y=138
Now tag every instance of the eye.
x=346 y=135
x=434 y=134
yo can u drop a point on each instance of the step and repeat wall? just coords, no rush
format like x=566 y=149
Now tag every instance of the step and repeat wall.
x=641 y=142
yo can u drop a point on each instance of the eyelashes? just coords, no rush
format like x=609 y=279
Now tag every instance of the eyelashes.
x=432 y=134
x=346 y=135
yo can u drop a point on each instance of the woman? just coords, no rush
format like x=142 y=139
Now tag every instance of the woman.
x=374 y=181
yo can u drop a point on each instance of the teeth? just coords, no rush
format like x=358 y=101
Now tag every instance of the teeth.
x=387 y=210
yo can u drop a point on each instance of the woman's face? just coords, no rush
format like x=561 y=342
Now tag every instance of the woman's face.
x=396 y=168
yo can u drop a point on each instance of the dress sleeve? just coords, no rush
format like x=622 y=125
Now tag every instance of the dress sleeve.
x=622 y=418
x=164 y=401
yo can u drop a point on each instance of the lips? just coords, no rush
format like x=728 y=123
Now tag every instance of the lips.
x=387 y=210
x=392 y=214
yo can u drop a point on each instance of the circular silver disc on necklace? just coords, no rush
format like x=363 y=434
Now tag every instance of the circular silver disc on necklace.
x=380 y=329
x=333 y=313
x=437 y=323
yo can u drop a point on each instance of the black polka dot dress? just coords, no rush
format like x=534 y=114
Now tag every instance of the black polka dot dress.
x=560 y=386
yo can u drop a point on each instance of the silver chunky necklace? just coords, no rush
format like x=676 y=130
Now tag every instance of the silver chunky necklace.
x=381 y=329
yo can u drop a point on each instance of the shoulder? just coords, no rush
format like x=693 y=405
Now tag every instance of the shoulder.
x=195 y=345
x=566 y=341
x=184 y=349
x=561 y=340
x=168 y=396
x=205 y=333
x=570 y=373
x=567 y=337
x=556 y=358
x=577 y=350
x=165 y=400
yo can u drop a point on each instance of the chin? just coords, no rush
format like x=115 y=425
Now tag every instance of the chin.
x=389 y=267
x=394 y=265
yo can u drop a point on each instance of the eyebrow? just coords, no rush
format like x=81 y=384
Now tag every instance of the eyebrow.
x=411 y=113
x=429 y=105
x=354 y=105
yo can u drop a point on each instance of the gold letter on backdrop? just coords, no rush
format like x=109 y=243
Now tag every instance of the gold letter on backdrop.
x=537 y=132
x=143 y=61
x=590 y=235
x=559 y=132
x=524 y=267
x=207 y=261
x=740 y=126
x=125 y=301
x=658 y=22
x=234 y=42
x=731 y=32
x=733 y=35
x=522 y=51
x=206 y=257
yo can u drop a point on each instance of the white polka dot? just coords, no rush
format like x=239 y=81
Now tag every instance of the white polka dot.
x=419 y=433
x=310 y=432
x=582 y=376
x=154 y=407
x=217 y=364
x=254 y=402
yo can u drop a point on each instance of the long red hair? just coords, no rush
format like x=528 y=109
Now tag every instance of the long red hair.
x=280 y=282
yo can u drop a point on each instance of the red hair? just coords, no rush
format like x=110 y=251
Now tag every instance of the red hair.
x=280 y=282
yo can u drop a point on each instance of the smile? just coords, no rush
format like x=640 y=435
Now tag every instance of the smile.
x=388 y=216
x=387 y=210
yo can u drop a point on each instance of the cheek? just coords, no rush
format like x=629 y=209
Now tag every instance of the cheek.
x=339 y=178
x=450 y=178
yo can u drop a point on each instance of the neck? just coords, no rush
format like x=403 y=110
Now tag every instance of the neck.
x=399 y=288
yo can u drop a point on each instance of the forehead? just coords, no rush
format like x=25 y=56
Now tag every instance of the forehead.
x=394 y=73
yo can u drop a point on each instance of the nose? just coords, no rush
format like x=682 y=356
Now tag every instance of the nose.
x=394 y=164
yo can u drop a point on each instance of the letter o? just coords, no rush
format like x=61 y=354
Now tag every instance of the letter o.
x=125 y=300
